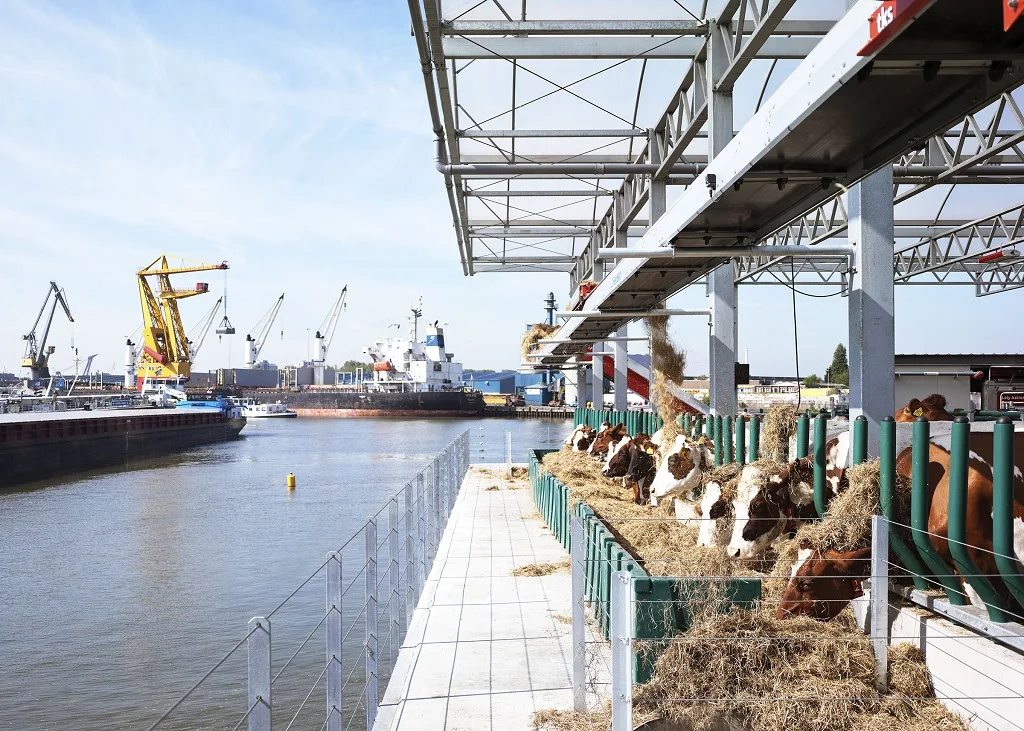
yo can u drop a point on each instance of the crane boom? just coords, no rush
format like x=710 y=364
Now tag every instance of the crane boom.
x=166 y=354
x=324 y=336
x=37 y=356
x=197 y=336
x=254 y=345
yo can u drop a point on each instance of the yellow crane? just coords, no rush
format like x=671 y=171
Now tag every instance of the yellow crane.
x=165 y=352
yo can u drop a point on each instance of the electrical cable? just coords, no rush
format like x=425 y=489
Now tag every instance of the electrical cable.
x=796 y=338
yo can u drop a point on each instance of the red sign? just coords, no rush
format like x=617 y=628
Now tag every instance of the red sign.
x=889 y=19
x=1011 y=401
x=1012 y=10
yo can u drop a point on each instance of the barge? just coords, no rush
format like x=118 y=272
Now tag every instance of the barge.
x=37 y=446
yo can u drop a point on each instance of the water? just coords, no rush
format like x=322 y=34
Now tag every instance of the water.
x=120 y=589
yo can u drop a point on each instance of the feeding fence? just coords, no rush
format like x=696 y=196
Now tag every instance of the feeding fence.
x=974 y=654
x=373 y=582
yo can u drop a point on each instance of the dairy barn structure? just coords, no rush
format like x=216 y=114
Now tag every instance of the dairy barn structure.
x=757 y=574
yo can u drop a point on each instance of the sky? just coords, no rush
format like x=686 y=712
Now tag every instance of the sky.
x=291 y=138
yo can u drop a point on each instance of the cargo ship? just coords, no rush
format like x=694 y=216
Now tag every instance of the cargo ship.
x=411 y=378
x=37 y=446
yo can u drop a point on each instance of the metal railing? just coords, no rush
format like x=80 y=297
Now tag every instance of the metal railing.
x=372 y=588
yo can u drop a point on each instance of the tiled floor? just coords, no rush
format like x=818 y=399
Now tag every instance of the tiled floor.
x=484 y=649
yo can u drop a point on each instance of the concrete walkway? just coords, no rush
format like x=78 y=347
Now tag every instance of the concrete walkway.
x=486 y=649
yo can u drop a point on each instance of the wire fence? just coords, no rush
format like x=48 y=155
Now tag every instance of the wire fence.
x=372 y=584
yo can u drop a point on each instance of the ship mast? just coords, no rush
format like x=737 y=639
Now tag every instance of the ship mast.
x=417 y=313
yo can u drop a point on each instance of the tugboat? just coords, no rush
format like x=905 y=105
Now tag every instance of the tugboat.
x=276 y=410
x=411 y=378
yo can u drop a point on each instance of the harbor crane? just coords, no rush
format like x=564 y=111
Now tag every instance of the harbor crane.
x=254 y=345
x=166 y=354
x=197 y=335
x=324 y=336
x=37 y=353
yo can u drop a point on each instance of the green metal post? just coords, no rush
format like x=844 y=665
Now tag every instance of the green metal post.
x=1002 y=508
x=755 y=438
x=727 y=442
x=802 y=435
x=860 y=440
x=717 y=434
x=686 y=425
x=920 y=507
x=821 y=497
x=709 y=427
x=741 y=439
x=887 y=489
x=957 y=530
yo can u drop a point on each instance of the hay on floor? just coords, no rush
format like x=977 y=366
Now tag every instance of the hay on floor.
x=543 y=569
x=561 y=720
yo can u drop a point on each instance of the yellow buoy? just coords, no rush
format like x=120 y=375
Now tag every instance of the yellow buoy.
x=291 y=481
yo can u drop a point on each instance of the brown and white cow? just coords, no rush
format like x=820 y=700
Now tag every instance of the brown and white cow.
x=823 y=583
x=581 y=438
x=932 y=408
x=804 y=594
x=680 y=470
x=619 y=454
x=643 y=465
x=605 y=439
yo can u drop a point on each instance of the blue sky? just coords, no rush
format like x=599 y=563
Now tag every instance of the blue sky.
x=292 y=139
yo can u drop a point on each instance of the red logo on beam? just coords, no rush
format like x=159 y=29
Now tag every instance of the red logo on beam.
x=889 y=19
x=1012 y=10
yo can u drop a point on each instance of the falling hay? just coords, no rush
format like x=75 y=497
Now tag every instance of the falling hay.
x=668 y=364
x=779 y=426
x=749 y=666
x=537 y=331
x=543 y=569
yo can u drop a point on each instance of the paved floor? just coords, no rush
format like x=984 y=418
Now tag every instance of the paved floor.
x=486 y=649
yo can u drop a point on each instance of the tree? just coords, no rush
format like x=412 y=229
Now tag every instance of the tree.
x=349 y=366
x=839 y=371
x=812 y=381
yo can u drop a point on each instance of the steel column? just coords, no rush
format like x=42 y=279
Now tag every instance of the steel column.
x=872 y=350
x=334 y=644
x=879 y=607
x=723 y=341
x=422 y=511
x=395 y=610
x=259 y=674
x=621 y=639
x=579 y=628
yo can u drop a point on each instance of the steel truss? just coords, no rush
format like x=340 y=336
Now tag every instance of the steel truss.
x=532 y=196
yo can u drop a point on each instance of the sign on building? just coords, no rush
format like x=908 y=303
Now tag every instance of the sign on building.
x=1011 y=401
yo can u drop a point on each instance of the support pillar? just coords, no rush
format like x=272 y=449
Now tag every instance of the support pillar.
x=597 y=394
x=872 y=350
x=621 y=364
x=723 y=341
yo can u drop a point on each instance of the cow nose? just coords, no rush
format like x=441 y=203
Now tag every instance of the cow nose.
x=736 y=553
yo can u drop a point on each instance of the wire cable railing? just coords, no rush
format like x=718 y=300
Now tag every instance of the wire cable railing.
x=388 y=580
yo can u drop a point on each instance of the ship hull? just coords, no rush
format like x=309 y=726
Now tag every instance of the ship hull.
x=350 y=404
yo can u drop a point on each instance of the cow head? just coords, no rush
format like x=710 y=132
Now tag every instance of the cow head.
x=642 y=467
x=932 y=408
x=618 y=458
x=606 y=438
x=823 y=583
x=680 y=463
x=581 y=438
x=717 y=516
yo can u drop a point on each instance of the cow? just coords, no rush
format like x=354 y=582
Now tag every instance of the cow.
x=720 y=512
x=680 y=471
x=787 y=500
x=932 y=408
x=619 y=455
x=605 y=438
x=581 y=438
x=823 y=583
x=804 y=595
x=643 y=465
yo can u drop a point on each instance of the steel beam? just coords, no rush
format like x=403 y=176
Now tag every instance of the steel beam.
x=616 y=27
x=620 y=47
x=548 y=133
x=727 y=252
x=631 y=314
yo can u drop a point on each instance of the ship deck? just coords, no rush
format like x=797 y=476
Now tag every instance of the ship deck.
x=486 y=649
x=33 y=416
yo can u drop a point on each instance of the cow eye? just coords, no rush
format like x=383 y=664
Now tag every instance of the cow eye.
x=805 y=584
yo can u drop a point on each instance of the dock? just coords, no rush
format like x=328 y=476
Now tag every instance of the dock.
x=486 y=649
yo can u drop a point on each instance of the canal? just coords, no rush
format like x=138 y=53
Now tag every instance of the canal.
x=121 y=588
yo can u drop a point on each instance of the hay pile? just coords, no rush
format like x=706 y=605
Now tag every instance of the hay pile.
x=757 y=677
x=537 y=331
x=668 y=363
x=662 y=545
x=779 y=426
x=559 y=720
x=543 y=569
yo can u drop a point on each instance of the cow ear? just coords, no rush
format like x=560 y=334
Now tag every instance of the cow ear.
x=806 y=544
x=854 y=563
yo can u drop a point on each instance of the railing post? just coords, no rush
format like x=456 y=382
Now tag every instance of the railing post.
x=719 y=456
x=508 y=453
x=821 y=499
x=579 y=628
x=621 y=633
x=886 y=489
x=741 y=439
x=860 y=439
x=371 y=623
x=755 y=438
x=1002 y=508
x=880 y=599
x=435 y=532
x=395 y=610
x=334 y=634
x=259 y=674
x=422 y=513
x=727 y=440
x=410 y=558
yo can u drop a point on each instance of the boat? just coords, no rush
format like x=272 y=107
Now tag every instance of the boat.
x=253 y=410
x=410 y=378
x=232 y=412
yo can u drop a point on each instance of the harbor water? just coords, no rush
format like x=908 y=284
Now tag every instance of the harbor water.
x=119 y=589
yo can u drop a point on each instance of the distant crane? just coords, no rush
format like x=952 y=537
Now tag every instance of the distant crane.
x=166 y=355
x=197 y=335
x=37 y=354
x=324 y=336
x=254 y=345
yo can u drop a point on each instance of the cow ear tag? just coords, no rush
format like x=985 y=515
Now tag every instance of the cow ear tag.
x=918 y=412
